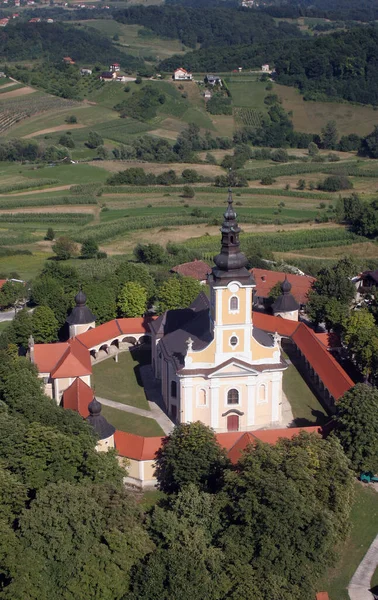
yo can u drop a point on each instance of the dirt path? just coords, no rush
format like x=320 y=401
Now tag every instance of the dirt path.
x=58 y=188
x=65 y=127
x=7 y=85
x=19 y=92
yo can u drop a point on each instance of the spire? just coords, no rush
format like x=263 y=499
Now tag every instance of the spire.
x=231 y=262
x=286 y=286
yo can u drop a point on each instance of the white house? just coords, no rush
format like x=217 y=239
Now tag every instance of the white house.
x=115 y=67
x=182 y=75
x=265 y=68
x=86 y=71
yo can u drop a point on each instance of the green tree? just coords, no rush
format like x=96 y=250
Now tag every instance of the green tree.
x=89 y=557
x=64 y=248
x=71 y=119
x=50 y=234
x=307 y=479
x=132 y=300
x=102 y=153
x=44 y=325
x=49 y=291
x=330 y=136
x=66 y=141
x=313 y=150
x=188 y=192
x=101 y=299
x=361 y=337
x=186 y=563
x=152 y=254
x=12 y=293
x=275 y=292
x=356 y=426
x=129 y=271
x=190 y=454
x=301 y=185
x=22 y=328
x=94 y=140
x=89 y=248
x=177 y=292
x=369 y=144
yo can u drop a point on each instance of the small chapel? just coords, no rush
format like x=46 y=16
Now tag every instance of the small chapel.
x=214 y=365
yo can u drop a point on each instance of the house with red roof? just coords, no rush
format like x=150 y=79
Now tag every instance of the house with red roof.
x=182 y=75
x=197 y=269
x=266 y=280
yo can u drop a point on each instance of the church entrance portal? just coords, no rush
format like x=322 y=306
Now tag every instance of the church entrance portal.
x=233 y=423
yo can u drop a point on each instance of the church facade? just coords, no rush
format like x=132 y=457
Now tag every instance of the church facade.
x=213 y=363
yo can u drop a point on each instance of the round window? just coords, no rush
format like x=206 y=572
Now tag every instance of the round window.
x=234 y=341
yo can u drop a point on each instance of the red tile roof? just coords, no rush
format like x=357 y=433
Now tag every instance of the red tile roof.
x=77 y=397
x=322 y=596
x=135 y=446
x=265 y=280
x=46 y=356
x=324 y=364
x=2 y=281
x=272 y=324
x=268 y=436
x=112 y=329
x=329 y=340
x=197 y=269
x=75 y=362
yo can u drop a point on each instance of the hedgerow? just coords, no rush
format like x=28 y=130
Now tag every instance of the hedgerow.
x=299 y=169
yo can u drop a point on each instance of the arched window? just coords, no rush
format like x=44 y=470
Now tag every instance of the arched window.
x=262 y=393
x=202 y=397
x=173 y=389
x=234 y=303
x=233 y=397
x=234 y=341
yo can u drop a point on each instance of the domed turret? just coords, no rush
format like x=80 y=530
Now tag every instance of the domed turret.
x=81 y=317
x=286 y=305
x=101 y=426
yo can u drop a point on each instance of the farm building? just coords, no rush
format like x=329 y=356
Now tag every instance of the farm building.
x=213 y=80
x=86 y=71
x=265 y=68
x=68 y=60
x=197 y=269
x=115 y=67
x=182 y=75
x=108 y=76
x=266 y=280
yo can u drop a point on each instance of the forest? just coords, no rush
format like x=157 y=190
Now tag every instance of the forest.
x=209 y=26
x=52 y=41
x=341 y=65
x=350 y=10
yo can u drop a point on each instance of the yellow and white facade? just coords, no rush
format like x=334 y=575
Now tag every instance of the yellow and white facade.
x=213 y=364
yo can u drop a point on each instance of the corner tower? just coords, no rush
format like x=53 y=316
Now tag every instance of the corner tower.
x=231 y=289
x=81 y=317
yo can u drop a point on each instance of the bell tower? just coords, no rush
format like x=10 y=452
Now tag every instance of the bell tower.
x=231 y=288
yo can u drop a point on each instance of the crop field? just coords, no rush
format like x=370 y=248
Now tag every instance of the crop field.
x=247 y=92
x=247 y=117
x=310 y=117
x=147 y=45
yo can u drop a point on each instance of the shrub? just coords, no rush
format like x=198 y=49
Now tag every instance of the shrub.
x=50 y=234
x=335 y=183
x=71 y=119
x=267 y=180
x=188 y=192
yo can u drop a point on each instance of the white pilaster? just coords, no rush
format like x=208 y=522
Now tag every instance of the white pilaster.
x=218 y=301
x=187 y=405
x=251 y=399
x=214 y=403
x=276 y=407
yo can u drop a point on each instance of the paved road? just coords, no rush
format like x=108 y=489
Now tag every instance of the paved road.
x=7 y=315
x=359 y=585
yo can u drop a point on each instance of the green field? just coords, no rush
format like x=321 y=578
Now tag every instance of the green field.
x=125 y=421
x=364 y=522
x=120 y=381
x=306 y=408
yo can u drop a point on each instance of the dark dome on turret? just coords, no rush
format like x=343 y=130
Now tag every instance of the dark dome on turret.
x=80 y=314
x=80 y=298
x=286 y=286
x=98 y=422
x=230 y=263
x=286 y=302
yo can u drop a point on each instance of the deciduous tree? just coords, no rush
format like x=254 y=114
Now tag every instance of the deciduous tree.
x=44 y=325
x=132 y=300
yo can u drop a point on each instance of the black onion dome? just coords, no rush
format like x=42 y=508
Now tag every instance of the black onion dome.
x=286 y=286
x=94 y=407
x=80 y=298
x=80 y=314
x=230 y=263
x=101 y=426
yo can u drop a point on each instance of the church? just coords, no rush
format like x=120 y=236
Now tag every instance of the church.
x=213 y=363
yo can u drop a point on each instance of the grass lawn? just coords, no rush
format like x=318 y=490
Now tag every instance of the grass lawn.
x=125 y=421
x=150 y=498
x=120 y=381
x=364 y=521
x=66 y=174
x=26 y=266
x=306 y=408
